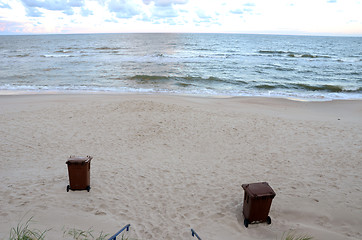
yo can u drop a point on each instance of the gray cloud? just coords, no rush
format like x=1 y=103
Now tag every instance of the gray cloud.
x=33 y=12
x=165 y=12
x=165 y=3
x=249 y=4
x=171 y=22
x=165 y=9
x=112 y=20
x=4 y=5
x=60 y=5
x=33 y=6
x=85 y=12
x=236 y=11
x=248 y=10
x=144 y=18
x=76 y=3
x=69 y=11
x=123 y=8
x=202 y=14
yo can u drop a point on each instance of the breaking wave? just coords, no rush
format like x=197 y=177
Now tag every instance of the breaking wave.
x=292 y=54
x=326 y=88
x=184 y=80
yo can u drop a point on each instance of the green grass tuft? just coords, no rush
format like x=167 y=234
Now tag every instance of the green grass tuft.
x=294 y=236
x=78 y=234
x=22 y=232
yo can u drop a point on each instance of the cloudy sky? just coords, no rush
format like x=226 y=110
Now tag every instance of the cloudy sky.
x=312 y=17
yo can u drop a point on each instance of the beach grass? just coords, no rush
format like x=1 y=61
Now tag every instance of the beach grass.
x=294 y=236
x=78 y=234
x=22 y=232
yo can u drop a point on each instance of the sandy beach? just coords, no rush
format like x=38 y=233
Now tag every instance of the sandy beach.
x=166 y=164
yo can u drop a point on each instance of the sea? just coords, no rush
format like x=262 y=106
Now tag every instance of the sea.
x=313 y=68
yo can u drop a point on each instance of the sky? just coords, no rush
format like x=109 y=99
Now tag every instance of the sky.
x=295 y=17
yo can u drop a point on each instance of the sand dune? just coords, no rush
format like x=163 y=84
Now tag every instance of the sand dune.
x=166 y=164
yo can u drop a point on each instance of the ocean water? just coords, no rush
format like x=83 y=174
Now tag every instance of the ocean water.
x=304 y=67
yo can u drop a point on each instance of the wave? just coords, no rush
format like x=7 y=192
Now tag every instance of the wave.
x=64 y=51
x=284 y=69
x=326 y=88
x=183 y=81
x=146 y=78
x=50 y=69
x=272 y=52
x=181 y=84
x=55 y=56
x=307 y=55
x=270 y=86
x=306 y=87
x=21 y=55
x=268 y=90
x=108 y=48
x=292 y=54
x=209 y=79
x=161 y=78
x=313 y=56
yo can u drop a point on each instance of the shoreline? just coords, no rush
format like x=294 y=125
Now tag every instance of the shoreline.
x=166 y=164
x=301 y=107
x=76 y=92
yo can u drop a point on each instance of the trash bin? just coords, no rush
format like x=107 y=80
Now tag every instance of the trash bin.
x=257 y=201
x=79 y=173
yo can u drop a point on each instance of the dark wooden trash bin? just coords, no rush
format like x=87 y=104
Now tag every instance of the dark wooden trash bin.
x=79 y=173
x=257 y=201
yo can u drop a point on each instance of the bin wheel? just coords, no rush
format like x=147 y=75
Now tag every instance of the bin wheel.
x=68 y=187
x=246 y=223
x=88 y=188
x=268 y=220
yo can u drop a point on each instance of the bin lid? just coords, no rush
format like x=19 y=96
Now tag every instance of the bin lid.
x=78 y=160
x=261 y=189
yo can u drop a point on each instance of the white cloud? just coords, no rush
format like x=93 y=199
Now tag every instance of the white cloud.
x=245 y=16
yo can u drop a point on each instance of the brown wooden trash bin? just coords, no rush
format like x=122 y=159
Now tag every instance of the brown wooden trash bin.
x=79 y=173
x=257 y=201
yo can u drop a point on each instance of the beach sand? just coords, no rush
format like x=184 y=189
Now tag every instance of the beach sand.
x=166 y=164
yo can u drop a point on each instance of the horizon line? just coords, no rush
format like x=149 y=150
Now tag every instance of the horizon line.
x=165 y=32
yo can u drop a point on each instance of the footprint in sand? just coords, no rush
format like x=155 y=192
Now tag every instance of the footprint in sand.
x=100 y=213
x=3 y=214
x=89 y=209
x=200 y=214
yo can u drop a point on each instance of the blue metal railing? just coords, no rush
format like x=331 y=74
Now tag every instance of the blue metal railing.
x=114 y=237
x=195 y=234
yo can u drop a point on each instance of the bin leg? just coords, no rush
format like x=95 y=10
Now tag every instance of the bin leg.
x=246 y=223
x=268 y=220
x=68 y=187
x=88 y=188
